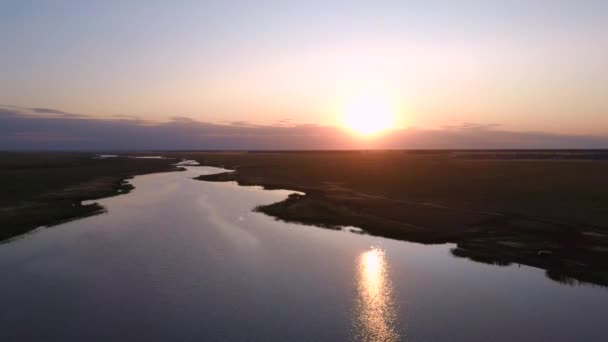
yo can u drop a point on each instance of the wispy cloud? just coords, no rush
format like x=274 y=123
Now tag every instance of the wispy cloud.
x=471 y=126
x=37 y=111
x=54 y=112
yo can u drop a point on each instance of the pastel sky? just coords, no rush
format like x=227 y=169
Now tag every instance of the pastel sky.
x=528 y=66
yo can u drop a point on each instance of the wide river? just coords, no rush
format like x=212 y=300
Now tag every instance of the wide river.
x=185 y=260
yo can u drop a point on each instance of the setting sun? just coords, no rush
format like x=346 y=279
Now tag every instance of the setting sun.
x=369 y=115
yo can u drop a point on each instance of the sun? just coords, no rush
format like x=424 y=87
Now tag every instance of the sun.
x=369 y=115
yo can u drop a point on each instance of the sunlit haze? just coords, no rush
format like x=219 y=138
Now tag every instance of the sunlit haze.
x=515 y=66
x=369 y=114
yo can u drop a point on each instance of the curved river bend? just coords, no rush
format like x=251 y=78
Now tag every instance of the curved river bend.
x=184 y=260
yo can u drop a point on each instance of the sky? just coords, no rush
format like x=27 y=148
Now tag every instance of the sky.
x=521 y=68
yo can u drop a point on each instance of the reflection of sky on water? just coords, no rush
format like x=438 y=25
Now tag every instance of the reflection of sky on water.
x=194 y=256
x=375 y=316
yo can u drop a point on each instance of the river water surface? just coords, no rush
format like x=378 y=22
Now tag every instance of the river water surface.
x=184 y=260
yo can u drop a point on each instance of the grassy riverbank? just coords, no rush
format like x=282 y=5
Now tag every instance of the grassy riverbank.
x=46 y=188
x=545 y=210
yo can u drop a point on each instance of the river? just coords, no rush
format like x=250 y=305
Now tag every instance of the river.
x=184 y=260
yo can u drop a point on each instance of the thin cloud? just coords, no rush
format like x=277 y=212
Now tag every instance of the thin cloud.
x=182 y=119
x=471 y=126
x=243 y=124
x=50 y=111
x=284 y=122
x=46 y=112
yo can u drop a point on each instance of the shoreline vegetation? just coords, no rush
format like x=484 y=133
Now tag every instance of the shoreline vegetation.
x=43 y=189
x=550 y=213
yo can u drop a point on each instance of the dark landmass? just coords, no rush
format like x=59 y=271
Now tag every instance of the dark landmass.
x=47 y=188
x=547 y=209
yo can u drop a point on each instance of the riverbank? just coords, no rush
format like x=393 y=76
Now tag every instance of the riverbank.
x=549 y=214
x=47 y=188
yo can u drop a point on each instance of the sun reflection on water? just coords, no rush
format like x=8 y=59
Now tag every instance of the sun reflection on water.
x=375 y=317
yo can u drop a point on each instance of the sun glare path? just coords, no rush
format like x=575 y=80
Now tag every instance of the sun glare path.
x=376 y=317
